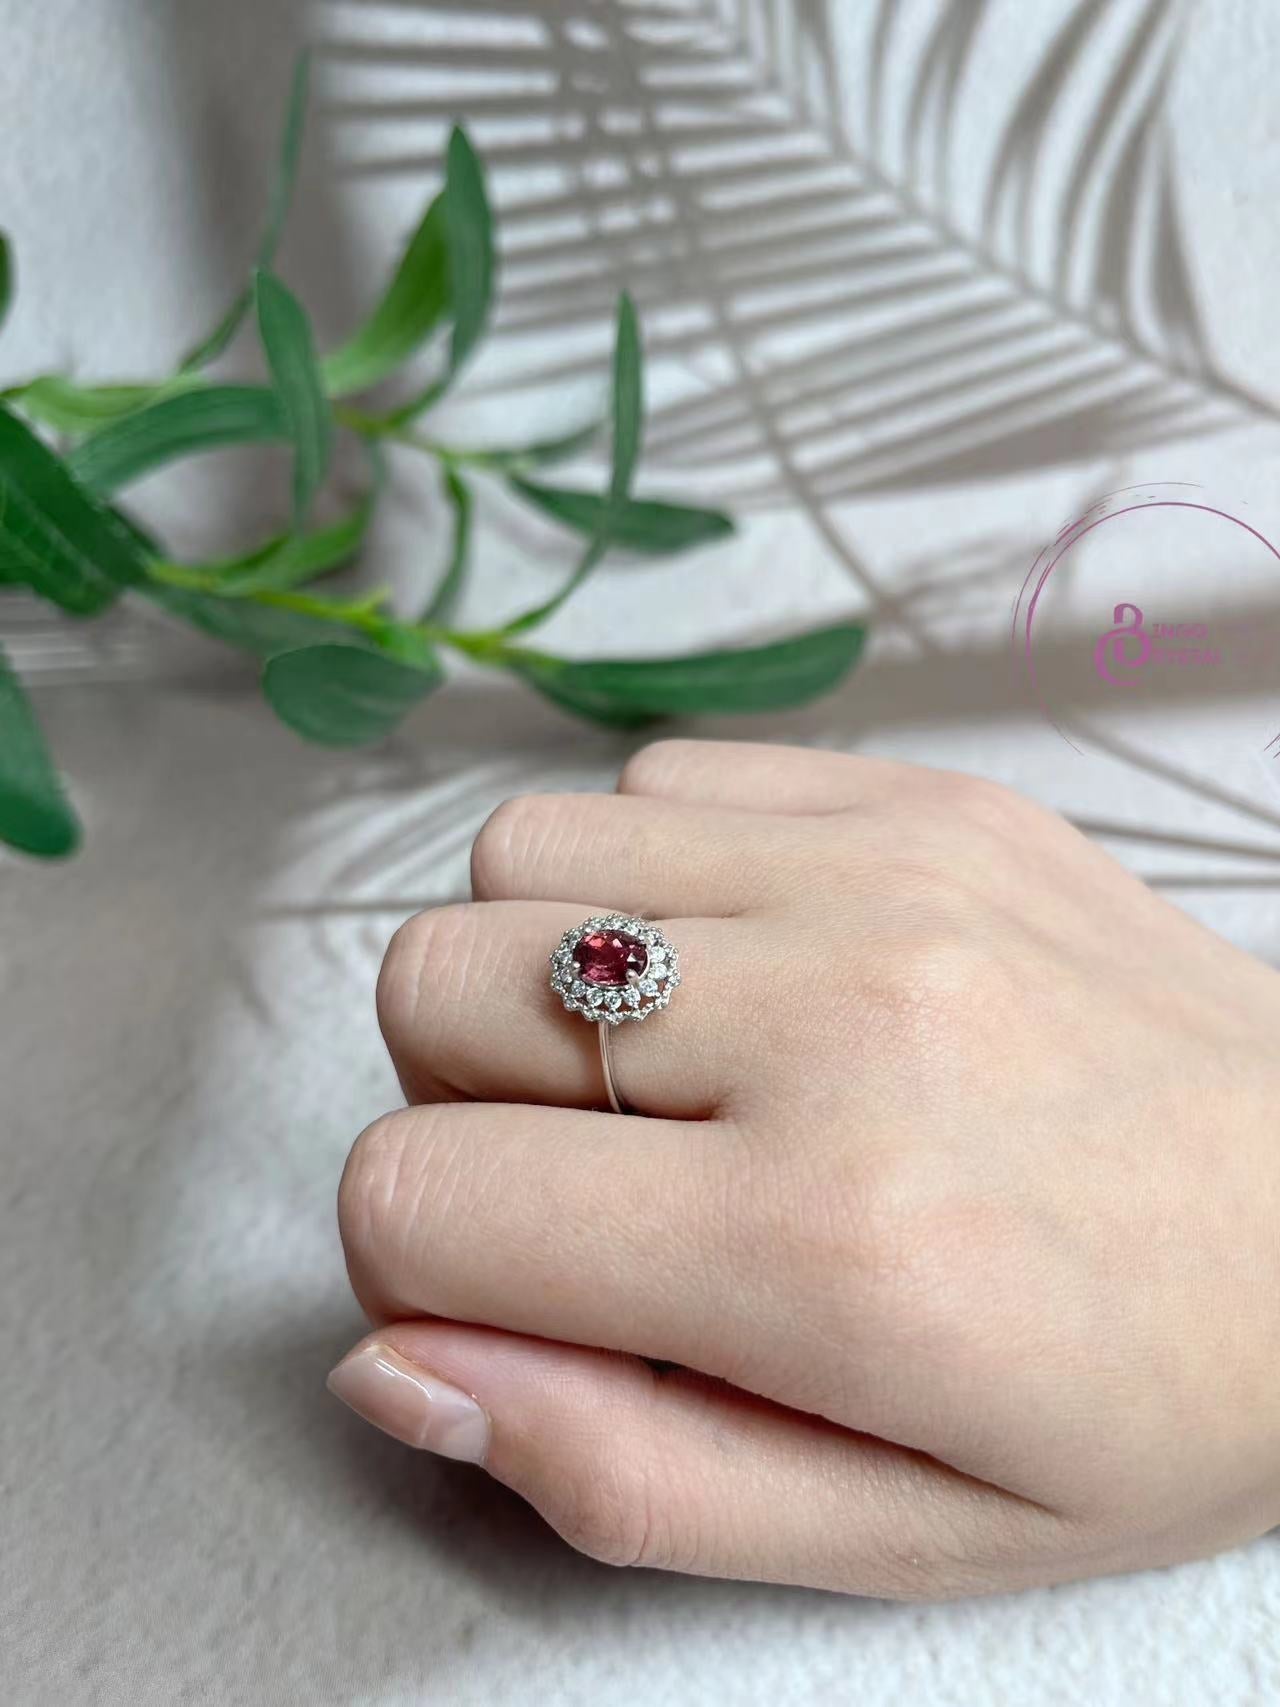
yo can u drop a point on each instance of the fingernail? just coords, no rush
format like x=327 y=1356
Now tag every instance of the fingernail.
x=412 y=1404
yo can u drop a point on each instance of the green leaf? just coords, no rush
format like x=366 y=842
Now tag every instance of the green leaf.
x=412 y=307
x=70 y=408
x=145 y=545
x=177 y=426
x=628 y=418
x=469 y=233
x=290 y=352
x=54 y=536
x=212 y=346
x=295 y=559
x=292 y=559
x=281 y=197
x=628 y=403
x=445 y=599
x=644 y=525
x=34 y=811
x=760 y=678
x=471 y=256
x=344 y=696
x=6 y=275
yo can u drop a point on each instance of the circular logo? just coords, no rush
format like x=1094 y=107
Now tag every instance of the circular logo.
x=1155 y=597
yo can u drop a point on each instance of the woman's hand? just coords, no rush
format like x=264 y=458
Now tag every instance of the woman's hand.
x=957 y=1206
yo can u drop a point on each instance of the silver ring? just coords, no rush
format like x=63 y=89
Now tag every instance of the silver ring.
x=610 y=968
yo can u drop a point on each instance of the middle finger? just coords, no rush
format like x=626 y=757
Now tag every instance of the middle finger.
x=643 y=855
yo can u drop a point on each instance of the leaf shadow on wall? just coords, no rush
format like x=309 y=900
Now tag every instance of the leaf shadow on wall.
x=834 y=311
x=847 y=331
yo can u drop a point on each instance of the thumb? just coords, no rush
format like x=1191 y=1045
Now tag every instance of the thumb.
x=672 y=1469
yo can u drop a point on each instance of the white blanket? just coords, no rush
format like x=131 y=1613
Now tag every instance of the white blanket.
x=187 y=1039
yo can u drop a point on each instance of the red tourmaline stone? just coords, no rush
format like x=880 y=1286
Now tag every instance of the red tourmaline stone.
x=607 y=957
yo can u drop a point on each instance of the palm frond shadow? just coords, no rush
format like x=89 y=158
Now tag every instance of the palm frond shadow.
x=834 y=310
x=843 y=326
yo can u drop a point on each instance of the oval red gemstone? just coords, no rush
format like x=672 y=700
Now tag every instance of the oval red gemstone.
x=609 y=957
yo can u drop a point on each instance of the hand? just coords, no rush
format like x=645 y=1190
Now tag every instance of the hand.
x=957 y=1207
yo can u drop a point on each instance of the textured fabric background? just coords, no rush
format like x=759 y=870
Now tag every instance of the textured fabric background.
x=187 y=1041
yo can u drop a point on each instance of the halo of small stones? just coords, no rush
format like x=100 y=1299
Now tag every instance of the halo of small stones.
x=635 y=1000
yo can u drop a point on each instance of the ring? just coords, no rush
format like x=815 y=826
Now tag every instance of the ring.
x=611 y=968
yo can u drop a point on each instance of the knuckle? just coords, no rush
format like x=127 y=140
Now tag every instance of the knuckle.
x=921 y=1242
x=875 y=1216
x=613 y=1518
x=509 y=836
x=652 y=767
x=986 y=804
x=842 y=1225
x=963 y=788
x=919 y=1000
x=935 y=971
x=400 y=1172
x=421 y=972
x=875 y=1239
x=367 y=1183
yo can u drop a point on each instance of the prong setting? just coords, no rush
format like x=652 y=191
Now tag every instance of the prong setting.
x=641 y=990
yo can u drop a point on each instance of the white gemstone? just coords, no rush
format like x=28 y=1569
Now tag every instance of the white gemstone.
x=631 y=997
x=579 y=988
x=647 y=987
x=595 y=997
x=614 y=999
x=657 y=966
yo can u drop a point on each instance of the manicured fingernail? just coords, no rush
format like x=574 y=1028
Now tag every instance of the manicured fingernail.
x=409 y=1402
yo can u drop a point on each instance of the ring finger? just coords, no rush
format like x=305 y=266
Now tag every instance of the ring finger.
x=466 y=1007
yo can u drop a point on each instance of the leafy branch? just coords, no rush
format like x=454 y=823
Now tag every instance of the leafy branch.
x=344 y=670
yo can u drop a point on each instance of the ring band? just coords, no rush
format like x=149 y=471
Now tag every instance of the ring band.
x=610 y=968
x=606 y=1071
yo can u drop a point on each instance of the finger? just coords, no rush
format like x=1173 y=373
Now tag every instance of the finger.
x=673 y=1240
x=596 y=1228
x=754 y=777
x=681 y=1473
x=640 y=856
x=467 y=1011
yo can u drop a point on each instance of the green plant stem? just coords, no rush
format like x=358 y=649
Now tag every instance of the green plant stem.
x=372 y=428
x=487 y=646
x=362 y=615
